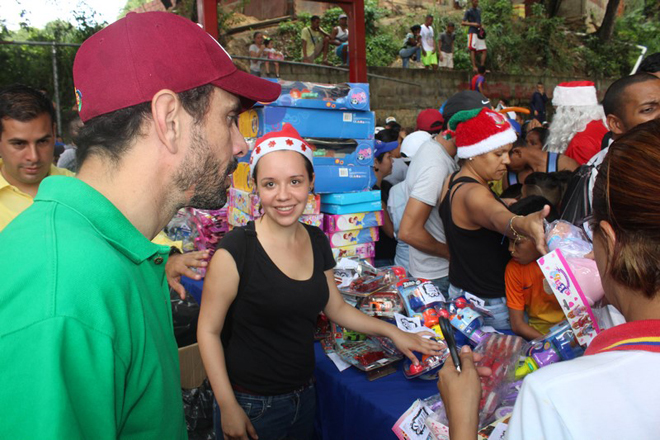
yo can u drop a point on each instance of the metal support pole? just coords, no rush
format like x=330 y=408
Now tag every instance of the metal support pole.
x=58 y=114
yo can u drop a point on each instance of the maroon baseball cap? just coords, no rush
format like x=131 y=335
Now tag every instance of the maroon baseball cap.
x=128 y=62
x=430 y=120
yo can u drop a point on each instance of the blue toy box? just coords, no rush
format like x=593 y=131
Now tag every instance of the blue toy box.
x=352 y=209
x=333 y=178
x=308 y=122
x=350 y=198
x=347 y=152
x=342 y=96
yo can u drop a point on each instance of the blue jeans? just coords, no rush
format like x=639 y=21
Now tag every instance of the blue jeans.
x=406 y=53
x=442 y=284
x=285 y=416
x=496 y=306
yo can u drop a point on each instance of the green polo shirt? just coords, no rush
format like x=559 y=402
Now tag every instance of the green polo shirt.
x=87 y=348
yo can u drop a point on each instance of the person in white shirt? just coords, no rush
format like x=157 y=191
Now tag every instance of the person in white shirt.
x=429 y=52
x=611 y=392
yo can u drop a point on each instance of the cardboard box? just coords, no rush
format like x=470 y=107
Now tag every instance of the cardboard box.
x=332 y=179
x=348 y=238
x=342 y=96
x=346 y=222
x=350 y=198
x=308 y=122
x=354 y=208
x=362 y=251
x=192 y=368
x=342 y=152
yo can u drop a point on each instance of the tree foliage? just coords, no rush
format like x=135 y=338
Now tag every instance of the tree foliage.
x=33 y=66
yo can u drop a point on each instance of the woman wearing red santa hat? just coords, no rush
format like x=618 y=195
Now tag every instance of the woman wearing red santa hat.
x=264 y=288
x=476 y=221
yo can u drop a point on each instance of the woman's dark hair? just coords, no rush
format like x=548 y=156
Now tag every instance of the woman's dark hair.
x=112 y=134
x=626 y=196
x=254 y=36
x=414 y=28
x=308 y=167
x=532 y=204
x=24 y=104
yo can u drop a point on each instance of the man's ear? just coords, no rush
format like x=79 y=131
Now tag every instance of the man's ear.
x=615 y=124
x=166 y=111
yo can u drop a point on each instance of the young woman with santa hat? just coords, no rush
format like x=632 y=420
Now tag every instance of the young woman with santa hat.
x=264 y=288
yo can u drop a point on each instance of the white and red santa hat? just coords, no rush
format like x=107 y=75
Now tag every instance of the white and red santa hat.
x=575 y=93
x=479 y=131
x=285 y=139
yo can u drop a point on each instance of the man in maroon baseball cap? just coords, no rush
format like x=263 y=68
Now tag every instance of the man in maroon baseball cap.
x=430 y=120
x=92 y=350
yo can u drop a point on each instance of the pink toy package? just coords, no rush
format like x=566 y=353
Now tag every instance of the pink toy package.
x=346 y=222
x=312 y=219
x=362 y=251
x=356 y=236
x=576 y=285
x=245 y=201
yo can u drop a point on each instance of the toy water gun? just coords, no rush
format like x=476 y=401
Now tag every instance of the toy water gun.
x=558 y=345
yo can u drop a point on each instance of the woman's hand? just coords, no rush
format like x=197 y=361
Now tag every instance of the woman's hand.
x=181 y=264
x=533 y=226
x=461 y=393
x=236 y=424
x=409 y=342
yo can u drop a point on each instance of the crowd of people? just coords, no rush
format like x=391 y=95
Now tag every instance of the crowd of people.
x=465 y=195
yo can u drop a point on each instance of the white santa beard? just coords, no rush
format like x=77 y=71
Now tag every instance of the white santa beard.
x=568 y=121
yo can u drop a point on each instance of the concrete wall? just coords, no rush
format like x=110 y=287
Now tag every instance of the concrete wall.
x=417 y=89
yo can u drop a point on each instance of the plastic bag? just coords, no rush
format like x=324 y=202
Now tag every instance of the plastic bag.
x=572 y=240
x=198 y=411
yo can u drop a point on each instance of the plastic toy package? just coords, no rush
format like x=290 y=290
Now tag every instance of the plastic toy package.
x=419 y=295
x=500 y=354
x=381 y=304
x=427 y=365
x=572 y=240
x=465 y=318
x=363 y=352
x=360 y=279
x=558 y=345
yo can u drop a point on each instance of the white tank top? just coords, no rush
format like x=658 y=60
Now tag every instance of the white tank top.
x=342 y=35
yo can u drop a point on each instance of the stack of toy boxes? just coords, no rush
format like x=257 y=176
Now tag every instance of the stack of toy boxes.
x=351 y=223
x=335 y=119
x=244 y=204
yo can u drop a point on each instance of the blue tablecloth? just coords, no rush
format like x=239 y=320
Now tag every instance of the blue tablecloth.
x=351 y=407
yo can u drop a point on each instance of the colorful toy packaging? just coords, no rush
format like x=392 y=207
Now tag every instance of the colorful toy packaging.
x=383 y=304
x=362 y=352
x=351 y=198
x=342 y=152
x=428 y=363
x=355 y=208
x=346 y=222
x=236 y=217
x=464 y=318
x=357 y=278
x=342 y=96
x=361 y=251
x=334 y=178
x=309 y=122
x=245 y=201
x=558 y=345
x=357 y=236
x=312 y=219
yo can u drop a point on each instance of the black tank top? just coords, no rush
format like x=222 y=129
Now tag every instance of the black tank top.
x=478 y=257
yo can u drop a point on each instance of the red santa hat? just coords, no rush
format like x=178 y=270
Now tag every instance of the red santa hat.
x=479 y=131
x=285 y=139
x=575 y=93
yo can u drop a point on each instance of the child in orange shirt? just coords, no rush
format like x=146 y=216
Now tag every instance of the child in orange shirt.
x=524 y=281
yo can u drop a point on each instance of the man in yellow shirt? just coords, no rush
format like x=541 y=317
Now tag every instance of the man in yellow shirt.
x=27 y=146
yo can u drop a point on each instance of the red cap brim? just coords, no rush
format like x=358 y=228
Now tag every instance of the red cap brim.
x=249 y=88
